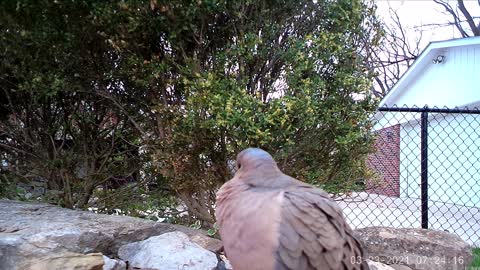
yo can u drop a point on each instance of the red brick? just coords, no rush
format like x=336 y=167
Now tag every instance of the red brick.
x=385 y=162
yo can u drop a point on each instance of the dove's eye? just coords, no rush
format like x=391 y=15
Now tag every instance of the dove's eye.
x=239 y=165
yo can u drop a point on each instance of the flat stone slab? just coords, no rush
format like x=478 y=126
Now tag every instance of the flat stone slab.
x=419 y=249
x=35 y=230
x=169 y=251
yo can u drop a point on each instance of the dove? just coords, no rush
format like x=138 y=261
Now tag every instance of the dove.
x=270 y=221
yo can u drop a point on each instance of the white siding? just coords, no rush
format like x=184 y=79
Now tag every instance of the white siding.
x=455 y=82
x=453 y=159
x=410 y=160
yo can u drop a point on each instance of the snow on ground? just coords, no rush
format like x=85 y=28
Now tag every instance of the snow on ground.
x=364 y=210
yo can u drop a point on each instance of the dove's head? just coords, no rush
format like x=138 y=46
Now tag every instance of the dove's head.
x=255 y=161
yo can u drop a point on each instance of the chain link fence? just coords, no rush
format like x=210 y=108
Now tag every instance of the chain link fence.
x=426 y=166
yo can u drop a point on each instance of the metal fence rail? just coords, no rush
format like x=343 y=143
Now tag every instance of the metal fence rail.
x=426 y=168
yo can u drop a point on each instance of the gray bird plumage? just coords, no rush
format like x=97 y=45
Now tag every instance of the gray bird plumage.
x=270 y=221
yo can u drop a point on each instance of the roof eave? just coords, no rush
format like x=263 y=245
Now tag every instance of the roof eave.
x=422 y=60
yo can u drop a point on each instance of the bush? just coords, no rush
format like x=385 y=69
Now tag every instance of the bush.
x=169 y=92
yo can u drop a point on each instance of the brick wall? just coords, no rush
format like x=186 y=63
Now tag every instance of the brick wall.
x=386 y=163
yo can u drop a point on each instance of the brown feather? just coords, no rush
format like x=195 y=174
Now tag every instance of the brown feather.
x=270 y=221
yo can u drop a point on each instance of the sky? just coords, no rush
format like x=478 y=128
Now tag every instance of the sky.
x=415 y=13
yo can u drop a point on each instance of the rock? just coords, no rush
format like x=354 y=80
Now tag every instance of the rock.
x=39 y=230
x=378 y=266
x=400 y=267
x=205 y=242
x=416 y=248
x=68 y=260
x=228 y=266
x=169 y=251
x=223 y=263
x=28 y=195
x=112 y=264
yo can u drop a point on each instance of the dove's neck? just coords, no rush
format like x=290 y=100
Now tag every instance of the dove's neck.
x=262 y=172
x=263 y=175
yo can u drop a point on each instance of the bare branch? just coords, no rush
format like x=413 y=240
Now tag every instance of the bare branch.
x=397 y=52
x=456 y=19
x=471 y=23
x=121 y=107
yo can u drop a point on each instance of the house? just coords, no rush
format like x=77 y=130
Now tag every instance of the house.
x=445 y=75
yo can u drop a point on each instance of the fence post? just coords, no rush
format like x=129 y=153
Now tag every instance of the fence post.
x=424 y=166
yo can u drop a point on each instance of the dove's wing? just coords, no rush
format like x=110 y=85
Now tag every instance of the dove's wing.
x=313 y=233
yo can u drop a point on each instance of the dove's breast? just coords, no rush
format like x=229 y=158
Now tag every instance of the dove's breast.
x=249 y=221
